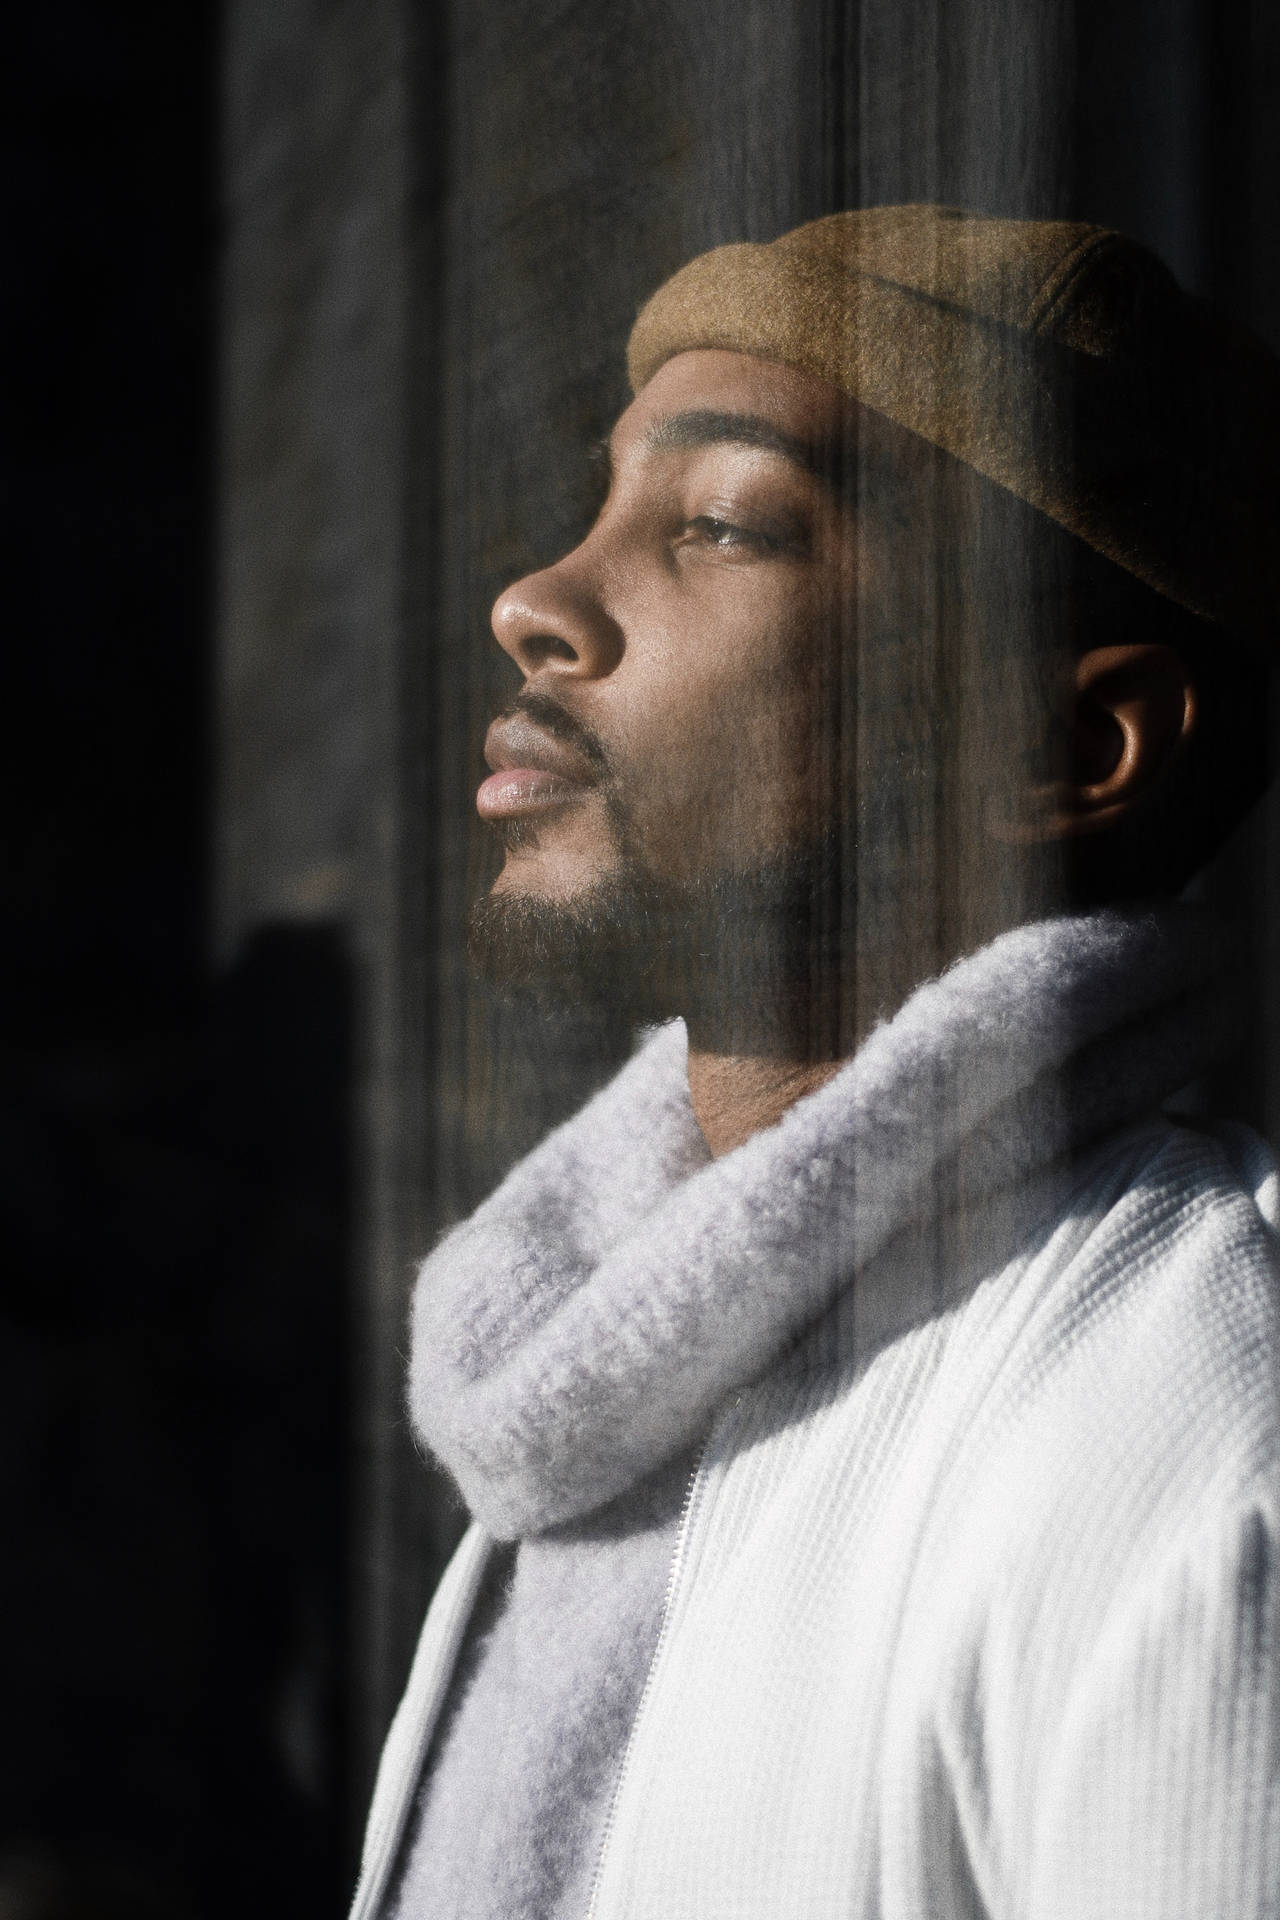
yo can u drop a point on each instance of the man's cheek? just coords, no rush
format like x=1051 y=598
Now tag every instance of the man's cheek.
x=743 y=795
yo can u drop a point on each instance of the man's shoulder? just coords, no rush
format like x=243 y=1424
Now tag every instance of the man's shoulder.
x=1163 y=1294
x=1133 y=1353
x=1126 y=1314
x=1117 y=1375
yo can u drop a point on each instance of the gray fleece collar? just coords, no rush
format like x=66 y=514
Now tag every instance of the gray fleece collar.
x=588 y=1319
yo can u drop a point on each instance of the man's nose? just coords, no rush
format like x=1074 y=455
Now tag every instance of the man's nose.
x=553 y=623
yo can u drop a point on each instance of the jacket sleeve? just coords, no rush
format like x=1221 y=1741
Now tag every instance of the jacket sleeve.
x=1158 y=1794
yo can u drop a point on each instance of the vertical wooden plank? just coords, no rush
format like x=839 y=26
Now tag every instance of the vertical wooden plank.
x=318 y=171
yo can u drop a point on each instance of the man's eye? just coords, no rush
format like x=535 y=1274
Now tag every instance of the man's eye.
x=724 y=533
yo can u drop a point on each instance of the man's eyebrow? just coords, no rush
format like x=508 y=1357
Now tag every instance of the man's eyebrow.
x=704 y=427
x=838 y=460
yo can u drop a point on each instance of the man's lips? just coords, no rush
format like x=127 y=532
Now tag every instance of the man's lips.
x=523 y=790
x=532 y=770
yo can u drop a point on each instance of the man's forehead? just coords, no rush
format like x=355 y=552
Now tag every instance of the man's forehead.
x=707 y=398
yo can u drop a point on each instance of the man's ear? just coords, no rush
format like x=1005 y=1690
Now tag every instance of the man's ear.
x=1134 y=709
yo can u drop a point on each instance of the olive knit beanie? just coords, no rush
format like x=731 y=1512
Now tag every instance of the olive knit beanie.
x=1060 y=360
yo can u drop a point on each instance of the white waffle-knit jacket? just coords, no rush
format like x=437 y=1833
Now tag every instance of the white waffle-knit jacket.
x=973 y=1605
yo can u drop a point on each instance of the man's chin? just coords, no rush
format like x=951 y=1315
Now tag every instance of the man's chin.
x=737 y=953
x=584 y=954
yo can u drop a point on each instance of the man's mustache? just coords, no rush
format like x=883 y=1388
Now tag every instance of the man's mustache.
x=561 y=725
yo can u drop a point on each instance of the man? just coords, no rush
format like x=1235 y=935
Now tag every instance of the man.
x=868 y=1402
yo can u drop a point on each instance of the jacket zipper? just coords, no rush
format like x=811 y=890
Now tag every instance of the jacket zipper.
x=683 y=1530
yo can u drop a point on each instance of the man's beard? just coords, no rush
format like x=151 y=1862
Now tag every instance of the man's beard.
x=749 y=956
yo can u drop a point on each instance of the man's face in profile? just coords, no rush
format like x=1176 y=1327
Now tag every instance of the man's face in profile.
x=672 y=766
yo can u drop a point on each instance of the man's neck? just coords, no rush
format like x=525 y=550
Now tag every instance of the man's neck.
x=736 y=1095
x=749 y=1060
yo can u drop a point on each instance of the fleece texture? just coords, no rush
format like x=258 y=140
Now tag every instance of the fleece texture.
x=509 y=1824
x=1060 y=360
x=586 y=1322
x=572 y=1432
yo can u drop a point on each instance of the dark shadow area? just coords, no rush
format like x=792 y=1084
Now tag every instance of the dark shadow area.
x=176 y=1201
